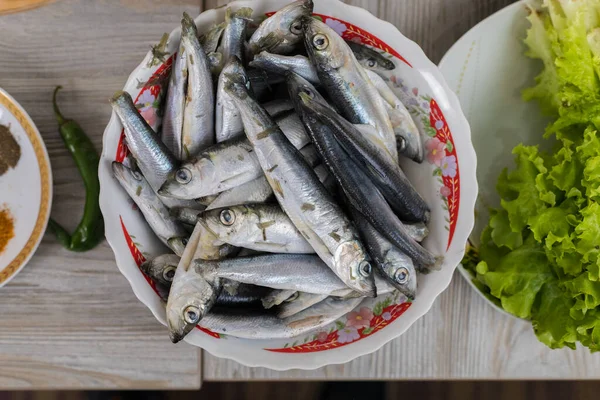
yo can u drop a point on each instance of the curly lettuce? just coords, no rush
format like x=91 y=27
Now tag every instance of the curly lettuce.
x=539 y=256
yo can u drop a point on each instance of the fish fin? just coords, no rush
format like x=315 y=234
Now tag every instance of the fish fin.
x=366 y=129
x=388 y=106
x=284 y=312
x=233 y=178
x=289 y=309
x=273 y=300
x=371 y=133
x=306 y=322
x=270 y=247
x=207 y=200
x=231 y=287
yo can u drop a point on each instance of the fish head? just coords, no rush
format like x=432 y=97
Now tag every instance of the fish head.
x=121 y=101
x=188 y=26
x=281 y=32
x=370 y=58
x=376 y=63
x=161 y=269
x=237 y=90
x=255 y=118
x=326 y=48
x=210 y=247
x=297 y=86
x=190 y=299
x=234 y=71
x=312 y=103
x=177 y=244
x=128 y=177
x=227 y=223
x=186 y=215
x=215 y=60
x=261 y=60
x=401 y=273
x=352 y=264
x=186 y=180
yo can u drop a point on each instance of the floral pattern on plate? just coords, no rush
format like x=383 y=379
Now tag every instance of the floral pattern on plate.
x=358 y=324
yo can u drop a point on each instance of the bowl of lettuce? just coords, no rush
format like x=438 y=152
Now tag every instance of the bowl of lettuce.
x=534 y=109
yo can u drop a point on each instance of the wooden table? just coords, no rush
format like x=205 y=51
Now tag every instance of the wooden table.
x=71 y=320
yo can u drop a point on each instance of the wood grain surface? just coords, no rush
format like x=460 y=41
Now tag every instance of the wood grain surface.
x=71 y=320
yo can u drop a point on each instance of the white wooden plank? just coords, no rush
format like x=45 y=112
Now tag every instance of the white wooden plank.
x=71 y=320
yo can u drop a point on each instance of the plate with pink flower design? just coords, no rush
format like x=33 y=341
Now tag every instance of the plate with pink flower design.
x=446 y=180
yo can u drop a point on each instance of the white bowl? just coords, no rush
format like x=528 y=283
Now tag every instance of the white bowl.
x=488 y=70
x=417 y=80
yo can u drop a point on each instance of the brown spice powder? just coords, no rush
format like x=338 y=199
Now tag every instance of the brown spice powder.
x=10 y=151
x=3 y=167
x=7 y=228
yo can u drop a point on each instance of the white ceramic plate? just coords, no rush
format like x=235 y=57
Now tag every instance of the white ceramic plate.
x=447 y=181
x=487 y=69
x=26 y=190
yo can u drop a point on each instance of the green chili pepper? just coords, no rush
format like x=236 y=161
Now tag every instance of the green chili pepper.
x=90 y=230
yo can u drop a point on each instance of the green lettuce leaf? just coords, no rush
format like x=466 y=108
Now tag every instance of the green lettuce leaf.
x=588 y=331
x=518 y=279
x=540 y=40
x=539 y=256
x=551 y=320
x=520 y=195
x=502 y=234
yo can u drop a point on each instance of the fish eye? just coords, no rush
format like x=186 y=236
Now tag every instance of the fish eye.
x=184 y=241
x=401 y=144
x=169 y=273
x=320 y=41
x=227 y=217
x=308 y=92
x=401 y=276
x=136 y=175
x=296 y=27
x=292 y=297
x=183 y=175
x=364 y=268
x=371 y=63
x=191 y=314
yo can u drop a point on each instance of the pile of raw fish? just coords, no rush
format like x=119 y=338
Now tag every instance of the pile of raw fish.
x=279 y=153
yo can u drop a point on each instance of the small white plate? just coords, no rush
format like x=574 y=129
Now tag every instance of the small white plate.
x=26 y=190
x=487 y=69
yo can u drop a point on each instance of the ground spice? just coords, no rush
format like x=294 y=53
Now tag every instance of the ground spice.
x=3 y=167
x=10 y=151
x=7 y=228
